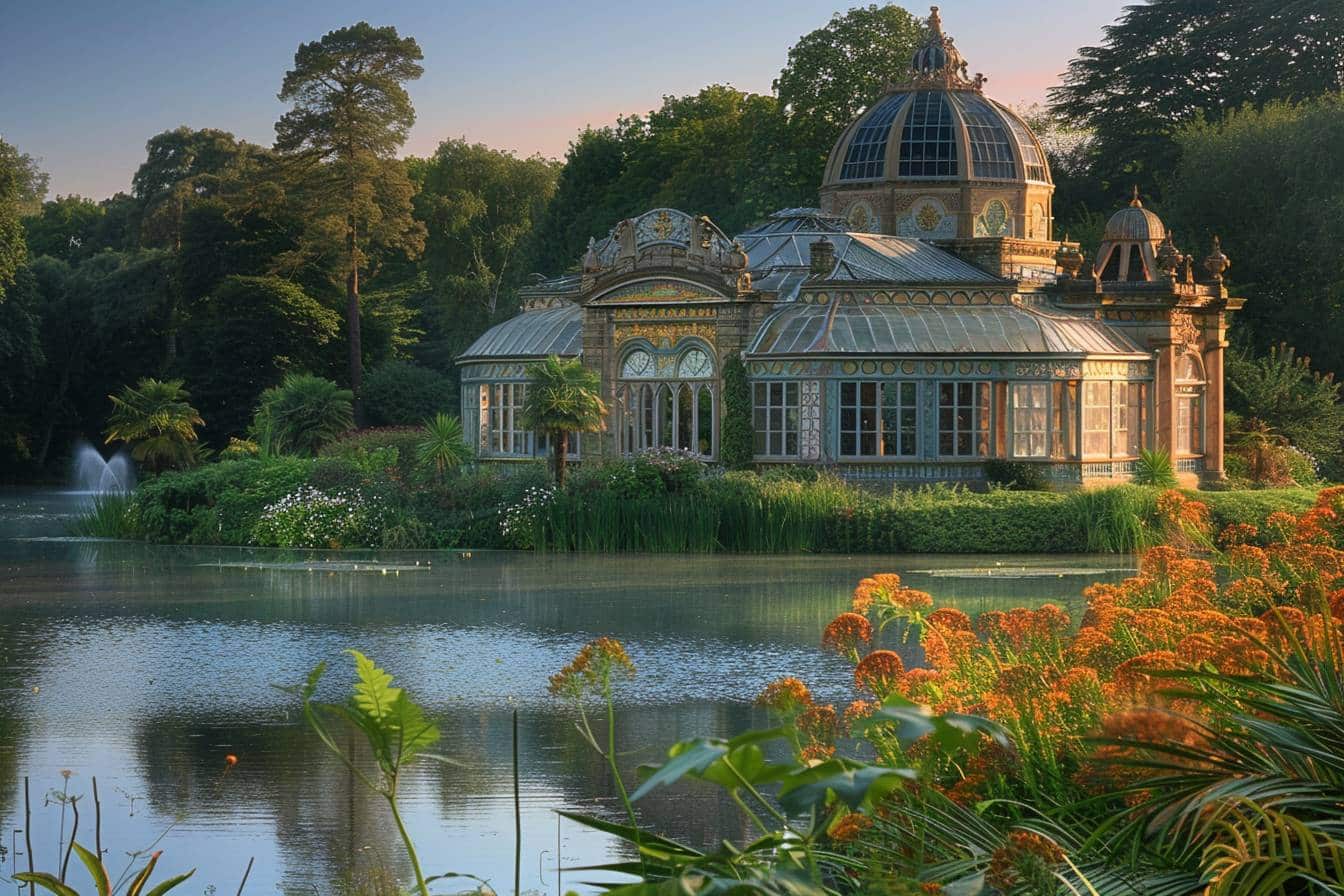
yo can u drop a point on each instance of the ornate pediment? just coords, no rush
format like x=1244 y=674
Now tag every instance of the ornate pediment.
x=658 y=290
x=666 y=239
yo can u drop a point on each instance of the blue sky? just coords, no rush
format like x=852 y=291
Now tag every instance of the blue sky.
x=83 y=84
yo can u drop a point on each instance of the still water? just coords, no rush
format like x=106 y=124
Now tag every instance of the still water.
x=147 y=665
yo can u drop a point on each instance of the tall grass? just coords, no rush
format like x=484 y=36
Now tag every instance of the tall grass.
x=742 y=513
x=1115 y=520
x=107 y=517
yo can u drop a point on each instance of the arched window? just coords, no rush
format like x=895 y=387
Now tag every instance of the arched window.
x=674 y=406
x=1189 y=405
x=638 y=365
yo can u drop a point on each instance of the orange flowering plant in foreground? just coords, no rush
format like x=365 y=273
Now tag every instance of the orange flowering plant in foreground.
x=1054 y=685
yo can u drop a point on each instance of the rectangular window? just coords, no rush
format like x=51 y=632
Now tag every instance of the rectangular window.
x=965 y=419
x=507 y=436
x=1097 y=419
x=1189 y=425
x=1064 y=419
x=775 y=413
x=1031 y=419
x=859 y=417
x=879 y=419
x=1136 y=416
x=900 y=419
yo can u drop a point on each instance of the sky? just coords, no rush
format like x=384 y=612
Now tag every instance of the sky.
x=84 y=84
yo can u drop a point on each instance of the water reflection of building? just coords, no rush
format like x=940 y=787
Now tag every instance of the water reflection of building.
x=923 y=320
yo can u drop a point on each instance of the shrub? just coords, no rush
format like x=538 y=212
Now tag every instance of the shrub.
x=239 y=448
x=214 y=504
x=310 y=518
x=1016 y=475
x=364 y=443
x=442 y=445
x=302 y=414
x=1154 y=468
x=400 y=393
x=736 y=432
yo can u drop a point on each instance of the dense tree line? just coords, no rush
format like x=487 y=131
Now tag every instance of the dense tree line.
x=230 y=265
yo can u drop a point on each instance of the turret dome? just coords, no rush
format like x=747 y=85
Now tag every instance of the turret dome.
x=1134 y=222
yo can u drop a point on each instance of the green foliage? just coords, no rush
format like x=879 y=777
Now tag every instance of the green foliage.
x=1154 y=468
x=1254 y=506
x=216 y=503
x=67 y=227
x=311 y=518
x=835 y=72
x=443 y=446
x=1276 y=238
x=302 y=414
x=350 y=114
x=22 y=186
x=363 y=444
x=245 y=336
x=563 y=397
x=736 y=432
x=1016 y=475
x=1153 y=72
x=155 y=418
x=108 y=517
x=394 y=727
x=101 y=879
x=478 y=205
x=721 y=152
x=400 y=393
x=1280 y=390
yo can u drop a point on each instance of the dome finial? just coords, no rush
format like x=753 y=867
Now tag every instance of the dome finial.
x=1136 y=202
x=935 y=21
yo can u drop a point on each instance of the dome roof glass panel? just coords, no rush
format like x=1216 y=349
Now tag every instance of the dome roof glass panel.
x=866 y=156
x=991 y=151
x=928 y=141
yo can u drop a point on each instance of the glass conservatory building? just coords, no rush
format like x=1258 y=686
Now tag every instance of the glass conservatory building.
x=920 y=323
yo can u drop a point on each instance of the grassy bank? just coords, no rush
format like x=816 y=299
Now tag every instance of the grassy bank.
x=369 y=494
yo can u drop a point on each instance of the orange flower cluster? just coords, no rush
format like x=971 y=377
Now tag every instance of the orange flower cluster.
x=591 y=670
x=850 y=826
x=880 y=673
x=1237 y=609
x=846 y=632
x=1026 y=858
x=785 y=696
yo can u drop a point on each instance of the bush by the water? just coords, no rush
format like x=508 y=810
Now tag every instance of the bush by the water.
x=659 y=501
x=400 y=393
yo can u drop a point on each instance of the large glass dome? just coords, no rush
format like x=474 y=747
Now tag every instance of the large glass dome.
x=937 y=126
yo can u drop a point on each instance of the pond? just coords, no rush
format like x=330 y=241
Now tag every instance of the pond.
x=147 y=665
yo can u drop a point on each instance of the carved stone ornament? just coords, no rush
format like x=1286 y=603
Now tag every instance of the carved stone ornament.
x=1217 y=263
x=1184 y=329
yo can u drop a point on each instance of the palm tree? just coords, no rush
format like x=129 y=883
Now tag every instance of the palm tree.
x=443 y=446
x=302 y=414
x=155 y=418
x=562 y=397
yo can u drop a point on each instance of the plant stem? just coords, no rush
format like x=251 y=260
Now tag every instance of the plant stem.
x=616 y=772
x=247 y=872
x=420 y=884
x=97 y=821
x=28 y=832
x=517 y=817
x=74 y=829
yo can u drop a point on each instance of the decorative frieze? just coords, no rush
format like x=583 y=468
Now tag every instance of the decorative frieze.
x=665 y=335
x=665 y=313
x=809 y=419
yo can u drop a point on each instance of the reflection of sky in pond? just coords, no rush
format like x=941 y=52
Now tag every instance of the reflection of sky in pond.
x=145 y=665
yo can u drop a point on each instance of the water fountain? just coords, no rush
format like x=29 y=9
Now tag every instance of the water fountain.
x=95 y=475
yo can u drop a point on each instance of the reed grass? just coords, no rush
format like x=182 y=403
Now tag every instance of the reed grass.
x=107 y=517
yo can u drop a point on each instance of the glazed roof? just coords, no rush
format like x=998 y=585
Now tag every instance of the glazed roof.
x=937 y=125
x=780 y=255
x=905 y=329
x=532 y=334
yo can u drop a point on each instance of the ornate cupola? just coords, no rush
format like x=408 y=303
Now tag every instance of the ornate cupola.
x=1135 y=246
x=935 y=159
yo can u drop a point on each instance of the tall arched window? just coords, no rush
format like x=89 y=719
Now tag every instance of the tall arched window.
x=1189 y=406
x=668 y=399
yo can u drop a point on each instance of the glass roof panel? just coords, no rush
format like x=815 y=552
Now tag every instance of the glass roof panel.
x=866 y=156
x=991 y=150
x=928 y=141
